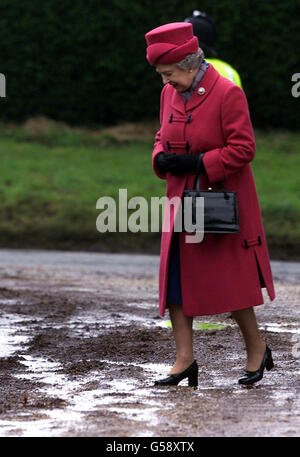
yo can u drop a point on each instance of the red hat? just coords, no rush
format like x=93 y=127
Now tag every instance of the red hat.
x=171 y=43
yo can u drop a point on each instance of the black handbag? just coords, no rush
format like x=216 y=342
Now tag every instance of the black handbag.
x=221 y=213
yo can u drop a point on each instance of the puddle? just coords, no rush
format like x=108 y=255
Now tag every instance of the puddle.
x=10 y=341
x=79 y=289
x=130 y=398
x=142 y=305
x=8 y=301
x=281 y=328
x=42 y=369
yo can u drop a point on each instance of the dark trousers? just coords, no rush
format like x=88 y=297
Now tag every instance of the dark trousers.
x=174 y=282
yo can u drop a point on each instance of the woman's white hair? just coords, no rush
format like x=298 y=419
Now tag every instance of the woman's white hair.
x=191 y=61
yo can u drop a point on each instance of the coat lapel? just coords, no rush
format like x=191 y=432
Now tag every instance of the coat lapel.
x=177 y=102
x=206 y=84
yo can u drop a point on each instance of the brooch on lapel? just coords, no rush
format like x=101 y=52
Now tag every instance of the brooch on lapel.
x=201 y=91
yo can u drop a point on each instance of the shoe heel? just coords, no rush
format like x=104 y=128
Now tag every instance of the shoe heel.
x=269 y=363
x=193 y=380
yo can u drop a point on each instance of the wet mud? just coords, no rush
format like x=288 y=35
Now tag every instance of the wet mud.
x=81 y=343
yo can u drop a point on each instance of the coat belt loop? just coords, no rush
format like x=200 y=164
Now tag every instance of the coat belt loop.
x=253 y=242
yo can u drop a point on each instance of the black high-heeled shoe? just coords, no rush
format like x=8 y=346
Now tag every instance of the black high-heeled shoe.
x=250 y=377
x=174 y=379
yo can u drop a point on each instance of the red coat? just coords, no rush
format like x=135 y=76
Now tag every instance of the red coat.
x=223 y=272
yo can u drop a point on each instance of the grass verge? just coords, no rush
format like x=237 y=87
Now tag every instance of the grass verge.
x=52 y=176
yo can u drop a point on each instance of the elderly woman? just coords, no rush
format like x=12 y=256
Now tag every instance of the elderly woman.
x=206 y=129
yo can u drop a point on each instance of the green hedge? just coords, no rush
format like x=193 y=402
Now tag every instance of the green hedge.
x=83 y=61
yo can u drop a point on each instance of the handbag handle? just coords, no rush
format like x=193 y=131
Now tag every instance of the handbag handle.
x=197 y=183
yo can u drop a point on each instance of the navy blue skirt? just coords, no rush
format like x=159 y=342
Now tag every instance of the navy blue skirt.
x=174 y=282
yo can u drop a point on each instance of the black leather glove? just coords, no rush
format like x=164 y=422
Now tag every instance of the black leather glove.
x=187 y=164
x=179 y=164
x=162 y=161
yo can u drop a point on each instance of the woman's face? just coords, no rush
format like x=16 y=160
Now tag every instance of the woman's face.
x=180 y=79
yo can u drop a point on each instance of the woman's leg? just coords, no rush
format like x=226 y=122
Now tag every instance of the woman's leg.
x=183 y=334
x=255 y=345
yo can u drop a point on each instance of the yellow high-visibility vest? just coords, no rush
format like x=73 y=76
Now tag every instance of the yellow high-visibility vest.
x=226 y=70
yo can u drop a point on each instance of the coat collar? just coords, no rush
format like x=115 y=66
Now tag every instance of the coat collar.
x=207 y=83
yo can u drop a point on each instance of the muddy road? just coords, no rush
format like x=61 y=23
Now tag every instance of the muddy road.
x=81 y=343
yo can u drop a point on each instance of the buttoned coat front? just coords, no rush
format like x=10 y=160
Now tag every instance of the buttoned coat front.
x=222 y=272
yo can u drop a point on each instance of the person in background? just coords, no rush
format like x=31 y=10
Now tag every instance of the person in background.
x=204 y=29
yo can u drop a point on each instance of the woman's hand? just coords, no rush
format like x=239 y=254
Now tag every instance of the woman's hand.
x=163 y=161
x=180 y=164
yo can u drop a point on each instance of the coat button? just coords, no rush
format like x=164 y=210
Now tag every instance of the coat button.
x=201 y=91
